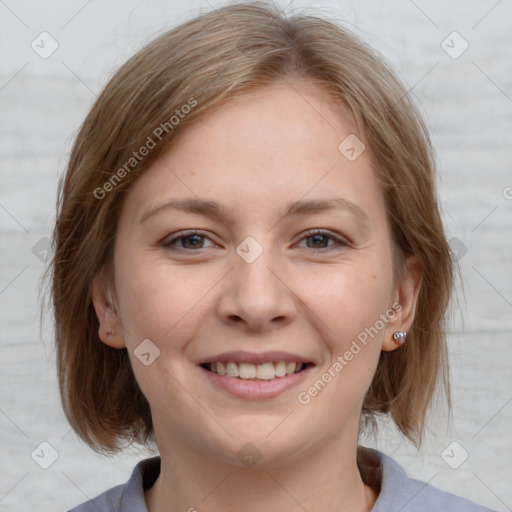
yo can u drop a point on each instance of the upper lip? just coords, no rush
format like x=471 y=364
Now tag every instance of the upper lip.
x=240 y=356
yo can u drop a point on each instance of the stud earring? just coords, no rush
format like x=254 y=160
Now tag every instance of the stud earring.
x=109 y=332
x=399 y=337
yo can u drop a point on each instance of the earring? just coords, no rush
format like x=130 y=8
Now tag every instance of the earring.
x=399 y=337
x=109 y=332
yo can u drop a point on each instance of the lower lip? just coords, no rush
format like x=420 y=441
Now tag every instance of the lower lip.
x=256 y=389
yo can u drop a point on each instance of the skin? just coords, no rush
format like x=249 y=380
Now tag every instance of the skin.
x=253 y=155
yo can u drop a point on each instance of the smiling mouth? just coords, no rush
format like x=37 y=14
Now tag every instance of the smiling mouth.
x=248 y=371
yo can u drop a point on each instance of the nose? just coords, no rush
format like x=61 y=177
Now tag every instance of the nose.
x=257 y=295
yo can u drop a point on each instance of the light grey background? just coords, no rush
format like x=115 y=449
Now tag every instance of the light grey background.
x=467 y=102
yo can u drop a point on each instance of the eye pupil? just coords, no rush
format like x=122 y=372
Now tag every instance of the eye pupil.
x=197 y=238
x=318 y=238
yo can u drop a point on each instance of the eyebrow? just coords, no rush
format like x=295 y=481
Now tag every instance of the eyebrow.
x=293 y=209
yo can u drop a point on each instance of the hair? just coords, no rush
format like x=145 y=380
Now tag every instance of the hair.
x=171 y=83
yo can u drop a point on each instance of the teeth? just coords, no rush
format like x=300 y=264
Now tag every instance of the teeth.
x=290 y=368
x=232 y=369
x=247 y=371
x=265 y=371
x=280 y=369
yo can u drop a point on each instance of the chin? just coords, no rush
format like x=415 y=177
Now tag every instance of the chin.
x=261 y=447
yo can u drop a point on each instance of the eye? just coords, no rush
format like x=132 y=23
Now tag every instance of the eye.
x=320 y=237
x=189 y=240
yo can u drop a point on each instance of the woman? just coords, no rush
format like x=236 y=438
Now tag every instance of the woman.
x=250 y=266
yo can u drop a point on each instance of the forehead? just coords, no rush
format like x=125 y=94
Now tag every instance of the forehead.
x=287 y=120
x=262 y=148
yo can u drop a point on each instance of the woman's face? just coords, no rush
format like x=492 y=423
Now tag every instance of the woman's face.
x=253 y=284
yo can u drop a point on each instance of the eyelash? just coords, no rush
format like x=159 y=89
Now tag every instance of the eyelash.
x=169 y=243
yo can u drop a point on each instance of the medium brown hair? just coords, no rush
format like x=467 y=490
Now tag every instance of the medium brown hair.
x=203 y=62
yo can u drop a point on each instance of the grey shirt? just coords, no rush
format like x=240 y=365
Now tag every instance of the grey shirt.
x=398 y=492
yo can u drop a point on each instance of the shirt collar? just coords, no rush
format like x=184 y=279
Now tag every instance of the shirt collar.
x=392 y=478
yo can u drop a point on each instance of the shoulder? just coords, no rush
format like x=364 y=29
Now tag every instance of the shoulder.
x=420 y=496
x=127 y=497
x=398 y=492
x=106 y=502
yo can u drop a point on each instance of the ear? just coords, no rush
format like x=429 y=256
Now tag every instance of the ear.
x=405 y=299
x=110 y=330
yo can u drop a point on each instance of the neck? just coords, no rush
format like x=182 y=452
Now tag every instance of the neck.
x=327 y=480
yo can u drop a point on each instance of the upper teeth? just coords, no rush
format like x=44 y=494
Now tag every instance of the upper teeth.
x=265 y=371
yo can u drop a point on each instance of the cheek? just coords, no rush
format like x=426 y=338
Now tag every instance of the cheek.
x=353 y=332
x=351 y=297
x=350 y=304
x=162 y=304
x=159 y=301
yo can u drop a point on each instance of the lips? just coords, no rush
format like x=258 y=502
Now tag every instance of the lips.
x=255 y=367
x=240 y=356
